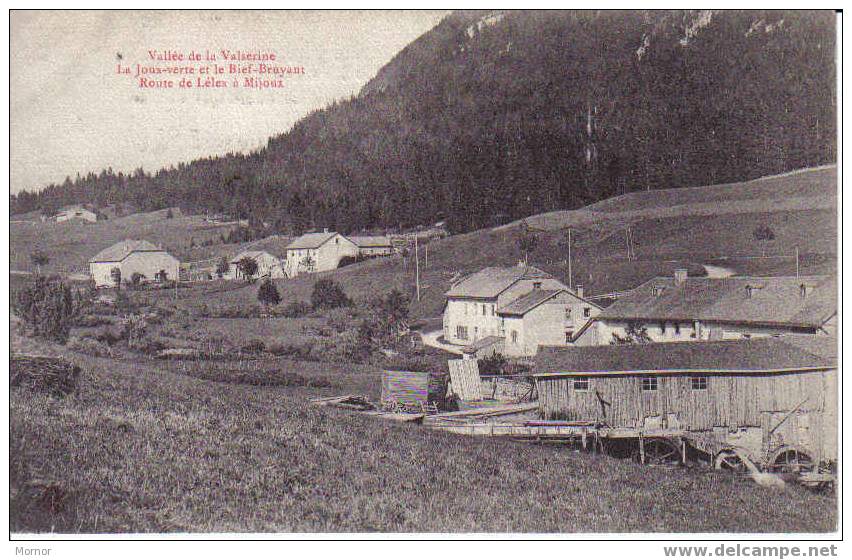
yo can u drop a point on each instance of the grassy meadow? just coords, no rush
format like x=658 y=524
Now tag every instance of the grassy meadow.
x=144 y=447
x=228 y=441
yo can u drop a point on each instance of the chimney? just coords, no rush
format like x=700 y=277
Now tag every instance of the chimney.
x=680 y=275
x=579 y=290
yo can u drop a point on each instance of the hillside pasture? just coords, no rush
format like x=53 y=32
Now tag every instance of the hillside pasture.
x=148 y=446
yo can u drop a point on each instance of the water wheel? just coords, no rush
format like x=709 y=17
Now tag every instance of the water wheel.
x=791 y=460
x=730 y=460
x=660 y=451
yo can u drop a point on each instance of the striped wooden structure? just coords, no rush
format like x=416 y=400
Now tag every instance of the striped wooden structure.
x=464 y=376
x=412 y=389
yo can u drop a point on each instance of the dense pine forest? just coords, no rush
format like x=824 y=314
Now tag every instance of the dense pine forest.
x=493 y=116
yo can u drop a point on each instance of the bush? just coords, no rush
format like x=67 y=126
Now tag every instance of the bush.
x=268 y=294
x=295 y=309
x=137 y=279
x=47 y=308
x=297 y=351
x=255 y=346
x=328 y=294
x=91 y=320
x=51 y=375
x=495 y=364
x=90 y=347
x=342 y=319
x=107 y=336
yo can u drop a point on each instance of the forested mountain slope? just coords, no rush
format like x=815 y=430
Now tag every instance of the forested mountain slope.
x=494 y=116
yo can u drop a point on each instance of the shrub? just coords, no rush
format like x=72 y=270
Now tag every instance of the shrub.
x=342 y=319
x=299 y=351
x=51 y=375
x=328 y=294
x=254 y=346
x=494 y=364
x=90 y=347
x=47 y=308
x=107 y=336
x=91 y=320
x=295 y=309
x=136 y=279
x=268 y=294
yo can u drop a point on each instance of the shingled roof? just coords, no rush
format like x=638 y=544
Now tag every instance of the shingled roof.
x=528 y=301
x=311 y=240
x=766 y=300
x=490 y=282
x=769 y=354
x=120 y=251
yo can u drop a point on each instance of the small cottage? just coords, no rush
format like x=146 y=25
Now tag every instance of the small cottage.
x=317 y=252
x=133 y=256
x=79 y=213
x=268 y=265
x=373 y=245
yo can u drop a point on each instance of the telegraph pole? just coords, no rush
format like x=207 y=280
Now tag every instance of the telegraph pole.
x=570 y=271
x=797 y=263
x=416 y=268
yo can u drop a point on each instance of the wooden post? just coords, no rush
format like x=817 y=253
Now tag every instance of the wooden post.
x=797 y=263
x=683 y=451
x=426 y=263
x=641 y=449
x=416 y=268
x=570 y=271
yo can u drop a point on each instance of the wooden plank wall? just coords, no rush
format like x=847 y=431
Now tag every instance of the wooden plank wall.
x=464 y=375
x=405 y=387
x=730 y=401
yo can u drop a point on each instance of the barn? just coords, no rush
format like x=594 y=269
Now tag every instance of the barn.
x=133 y=256
x=764 y=398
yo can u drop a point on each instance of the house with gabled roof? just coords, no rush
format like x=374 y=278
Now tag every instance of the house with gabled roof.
x=316 y=252
x=133 y=256
x=79 y=213
x=373 y=245
x=523 y=305
x=680 y=308
x=268 y=265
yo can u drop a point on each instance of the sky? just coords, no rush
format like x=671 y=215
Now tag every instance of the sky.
x=71 y=112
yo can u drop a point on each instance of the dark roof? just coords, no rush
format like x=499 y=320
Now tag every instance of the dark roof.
x=528 y=301
x=119 y=251
x=311 y=240
x=774 y=300
x=769 y=354
x=490 y=282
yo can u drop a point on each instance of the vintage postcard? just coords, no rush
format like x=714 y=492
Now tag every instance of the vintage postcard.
x=514 y=273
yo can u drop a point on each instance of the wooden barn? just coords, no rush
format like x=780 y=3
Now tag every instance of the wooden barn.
x=773 y=400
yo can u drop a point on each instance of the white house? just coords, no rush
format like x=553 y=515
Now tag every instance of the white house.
x=316 y=252
x=523 y=305
x=680 y=308
x=373 y=245
x=268 y=265
x=76 y=213
x=131 y=256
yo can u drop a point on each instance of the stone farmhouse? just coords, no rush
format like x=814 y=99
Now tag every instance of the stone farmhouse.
x=514 y=310
x=681 y=309
x=131 y=256
x=268 y=265
x=317 y=252
x=76 y=213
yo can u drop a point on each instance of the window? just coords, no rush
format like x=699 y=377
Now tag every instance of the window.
x=536 y=285
x=483 y=309
x=492 y=310
x=461 y=332
x=677 y=328
x=514 y=337
x=698 y=383
x=587 y=312
x=567 y=313
x=649 y=383
x=569 y=336
x=581 y=383
x=662 y=328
